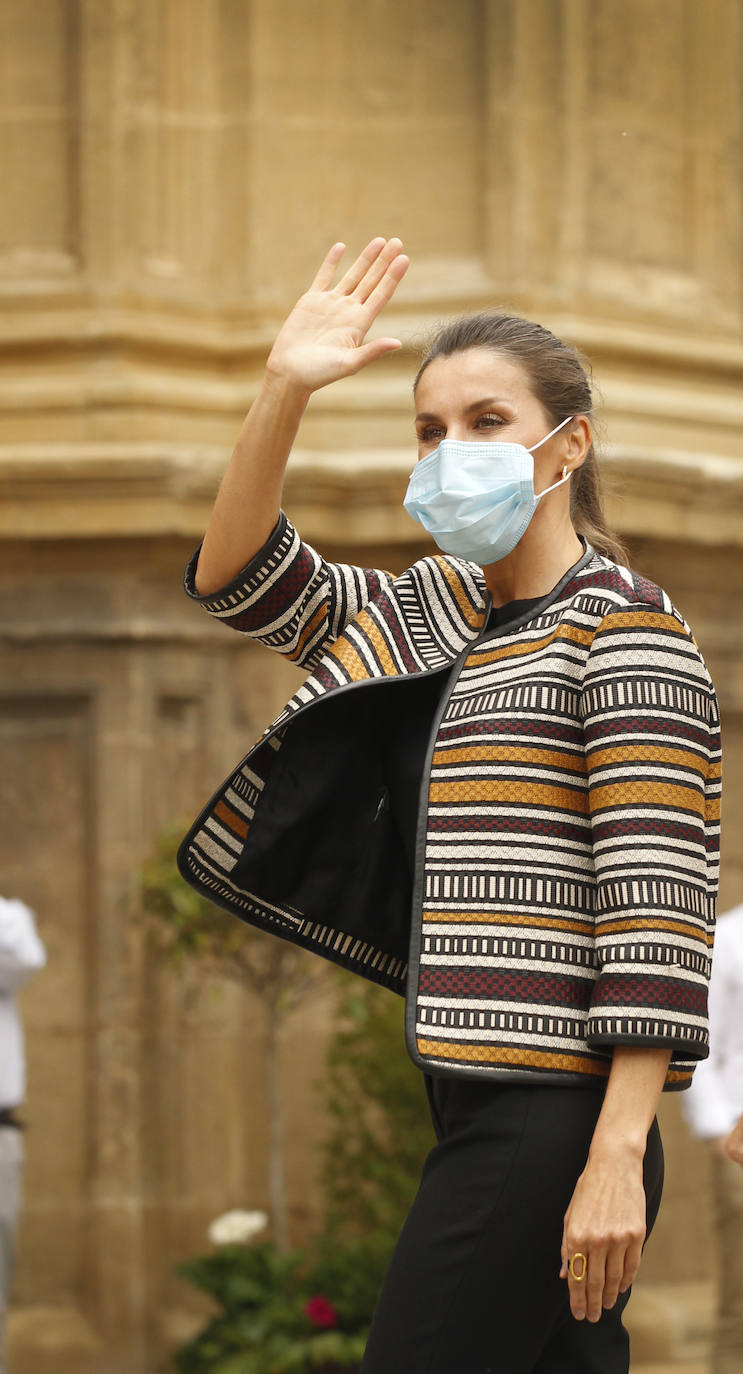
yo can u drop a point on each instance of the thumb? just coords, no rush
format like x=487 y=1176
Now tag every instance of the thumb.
x=370 y=352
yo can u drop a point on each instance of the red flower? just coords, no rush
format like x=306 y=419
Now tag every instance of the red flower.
x=320 y=1312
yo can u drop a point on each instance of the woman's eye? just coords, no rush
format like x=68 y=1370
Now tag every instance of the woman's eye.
x=490 y=421
x=429 y=433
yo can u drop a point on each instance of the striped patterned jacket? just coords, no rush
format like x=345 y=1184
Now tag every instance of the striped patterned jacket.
x=567 y=851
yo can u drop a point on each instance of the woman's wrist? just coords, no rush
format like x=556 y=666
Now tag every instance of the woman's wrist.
x=268 y=433
x=631 y=1096
x=279 y=387
x=610 y=1146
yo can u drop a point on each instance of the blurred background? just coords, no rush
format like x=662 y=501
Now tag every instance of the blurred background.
x=173 y=171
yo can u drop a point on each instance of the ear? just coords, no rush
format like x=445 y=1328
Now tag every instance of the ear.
x=578 y=440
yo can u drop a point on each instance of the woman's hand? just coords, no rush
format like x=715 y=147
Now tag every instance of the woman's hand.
x=606 y=1219
x=605 y=1222
x=323 y=338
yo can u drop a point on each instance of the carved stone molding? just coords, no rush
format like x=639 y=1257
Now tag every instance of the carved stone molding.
x=174 y=171
x=76 y=491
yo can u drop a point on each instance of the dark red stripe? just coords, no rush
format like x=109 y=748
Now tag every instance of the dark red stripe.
x=511 y=825
x=653 y=991
x=504 y=985
x=508 y=726
x=646 y=725
x=652 y=823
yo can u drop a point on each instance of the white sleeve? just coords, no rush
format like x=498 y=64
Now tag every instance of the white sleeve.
x=21 y=951
x=707 y=1105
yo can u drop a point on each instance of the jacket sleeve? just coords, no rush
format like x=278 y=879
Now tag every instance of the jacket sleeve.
x=21 y=952
x=653 y=759
x=291 y=599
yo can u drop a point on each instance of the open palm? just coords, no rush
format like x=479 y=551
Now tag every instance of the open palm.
x=323 y=338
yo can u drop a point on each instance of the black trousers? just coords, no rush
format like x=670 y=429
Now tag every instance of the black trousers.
x=473 y=1286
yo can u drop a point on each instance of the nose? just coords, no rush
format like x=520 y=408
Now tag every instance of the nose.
x=457 y=430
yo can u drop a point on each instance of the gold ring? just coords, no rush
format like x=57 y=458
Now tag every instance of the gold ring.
x=571 y=1266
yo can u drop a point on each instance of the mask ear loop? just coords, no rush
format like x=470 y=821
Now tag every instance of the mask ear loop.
x=565 y=478
x=561 y=425
x=565 y=473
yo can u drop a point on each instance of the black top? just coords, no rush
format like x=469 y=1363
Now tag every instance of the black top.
x=410 y=732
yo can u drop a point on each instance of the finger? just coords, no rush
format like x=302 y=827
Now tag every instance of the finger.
x=613 y=1275
x=327 y=269
x=631 y=1263
x=350 y=280
x=577 y=1287
x=594 y=1285
x=370 y=352
x=377 y=269
x=388 y=285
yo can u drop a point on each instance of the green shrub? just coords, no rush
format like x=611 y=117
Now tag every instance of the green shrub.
x=276 y=1317
x=273 y=1307
x=380 y=1131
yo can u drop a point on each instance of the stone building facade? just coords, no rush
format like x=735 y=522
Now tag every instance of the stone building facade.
x=173 y=172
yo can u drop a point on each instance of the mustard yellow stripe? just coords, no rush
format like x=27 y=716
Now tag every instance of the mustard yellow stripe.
x=502 y=1054
x=534 y=1059
x=507 y=753
x=630 y=924
x=474 y=917
x=345 y=653
x=350 y=660
x=474 y=618
x=637 y=792
x=515 y=793
x=376 y=639
x=646 y=753
x=571 y=632
x=649 y=620
x=307 y=633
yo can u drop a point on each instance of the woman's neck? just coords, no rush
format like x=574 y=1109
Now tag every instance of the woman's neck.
x=535 y=566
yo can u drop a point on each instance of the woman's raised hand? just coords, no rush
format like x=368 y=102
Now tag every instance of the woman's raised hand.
x=321 y=341
x=323 y=338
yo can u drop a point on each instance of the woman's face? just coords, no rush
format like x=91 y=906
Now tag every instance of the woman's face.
x=483 y=395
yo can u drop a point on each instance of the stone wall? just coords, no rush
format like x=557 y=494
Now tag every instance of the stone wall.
x=174 y=169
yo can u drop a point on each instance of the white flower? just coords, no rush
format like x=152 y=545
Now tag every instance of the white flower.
x=237 y=1228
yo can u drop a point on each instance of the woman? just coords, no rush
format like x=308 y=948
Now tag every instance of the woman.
x=517 y=742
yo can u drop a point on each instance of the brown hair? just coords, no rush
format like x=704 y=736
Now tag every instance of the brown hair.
x=559 y=380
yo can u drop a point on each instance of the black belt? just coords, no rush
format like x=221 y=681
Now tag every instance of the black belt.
x=9 y=1118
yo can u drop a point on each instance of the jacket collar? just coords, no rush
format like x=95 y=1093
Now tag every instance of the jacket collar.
x=421 y=623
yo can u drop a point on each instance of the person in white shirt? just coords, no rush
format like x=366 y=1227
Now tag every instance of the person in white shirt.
x=21 y=955
x=713 y=1107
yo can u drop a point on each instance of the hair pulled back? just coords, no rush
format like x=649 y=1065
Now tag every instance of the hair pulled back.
x=559 y=381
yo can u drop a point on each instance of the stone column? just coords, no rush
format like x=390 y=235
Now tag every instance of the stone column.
x=173 y=172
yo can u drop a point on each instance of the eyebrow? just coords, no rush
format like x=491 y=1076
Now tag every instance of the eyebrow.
x=475 y=405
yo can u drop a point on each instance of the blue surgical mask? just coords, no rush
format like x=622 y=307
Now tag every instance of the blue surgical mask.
x=476 y=498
